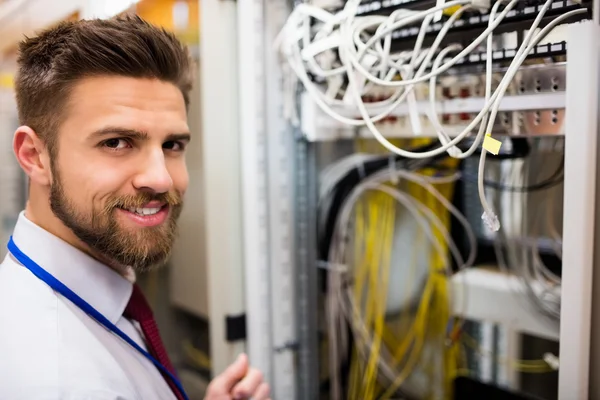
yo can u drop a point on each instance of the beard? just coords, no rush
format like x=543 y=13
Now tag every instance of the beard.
x=141 y=249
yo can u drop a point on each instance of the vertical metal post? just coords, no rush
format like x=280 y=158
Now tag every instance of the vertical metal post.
x=253 y=152
x=307 y=282
x=267 y=196
x=581 y=132
x=594 y=367
x=280 y=141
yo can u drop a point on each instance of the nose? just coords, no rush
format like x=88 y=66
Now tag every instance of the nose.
x=154 y=175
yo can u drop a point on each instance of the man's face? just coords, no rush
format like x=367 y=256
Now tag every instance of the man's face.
x=119 y=173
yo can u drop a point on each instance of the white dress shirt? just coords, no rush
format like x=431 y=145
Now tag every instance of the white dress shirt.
x=49 y=348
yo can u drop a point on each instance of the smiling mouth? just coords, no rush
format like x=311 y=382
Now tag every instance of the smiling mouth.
x=147 y=216
x=150 y=209
x=145 y=210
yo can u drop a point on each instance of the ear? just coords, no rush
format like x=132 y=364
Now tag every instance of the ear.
x=32 y=155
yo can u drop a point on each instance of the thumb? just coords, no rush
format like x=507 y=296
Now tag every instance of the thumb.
x=225 y=382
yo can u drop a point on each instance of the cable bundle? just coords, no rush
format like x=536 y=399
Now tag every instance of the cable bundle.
x=389 y=255
x=342 y=58
x=392 y=344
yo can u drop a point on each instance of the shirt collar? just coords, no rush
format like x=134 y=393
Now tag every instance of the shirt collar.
x=99 y=285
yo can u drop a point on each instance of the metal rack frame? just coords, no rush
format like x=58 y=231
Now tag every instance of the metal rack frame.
x=580 y=215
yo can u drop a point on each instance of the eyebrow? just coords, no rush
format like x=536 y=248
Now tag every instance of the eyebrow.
x=179 y=137
x=137 y=135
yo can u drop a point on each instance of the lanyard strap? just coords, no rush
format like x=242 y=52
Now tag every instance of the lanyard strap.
x=61 y=288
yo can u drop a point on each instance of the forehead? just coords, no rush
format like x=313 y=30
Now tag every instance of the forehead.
x=148 y=105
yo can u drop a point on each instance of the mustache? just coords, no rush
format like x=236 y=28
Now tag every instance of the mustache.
x=172 y=199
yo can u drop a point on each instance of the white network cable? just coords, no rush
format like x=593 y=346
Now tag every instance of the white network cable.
x=345 y=47
x=516 y=251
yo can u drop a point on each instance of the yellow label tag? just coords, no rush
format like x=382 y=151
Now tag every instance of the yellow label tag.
x=451 y=10
x=492 y=145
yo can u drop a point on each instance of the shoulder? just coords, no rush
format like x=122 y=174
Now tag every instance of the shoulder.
x=20 y=287
x=27 y=307
x=28 y=338
x=46 y=352
x=36 y=344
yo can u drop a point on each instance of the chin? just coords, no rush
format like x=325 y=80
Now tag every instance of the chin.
x=143 y=267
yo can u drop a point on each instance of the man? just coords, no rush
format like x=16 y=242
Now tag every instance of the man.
x=102 y=106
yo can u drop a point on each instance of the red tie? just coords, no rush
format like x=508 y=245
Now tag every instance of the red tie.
x=139 y=310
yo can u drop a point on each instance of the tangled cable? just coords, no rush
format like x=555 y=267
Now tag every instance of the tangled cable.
x=339 y=58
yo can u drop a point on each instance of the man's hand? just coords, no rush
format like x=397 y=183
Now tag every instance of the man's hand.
x=238 y=382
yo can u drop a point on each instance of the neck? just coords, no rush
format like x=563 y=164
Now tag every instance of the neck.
x=40 y=214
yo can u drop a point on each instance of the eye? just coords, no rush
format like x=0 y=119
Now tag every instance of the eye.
x=116 y=144
x=174 y=145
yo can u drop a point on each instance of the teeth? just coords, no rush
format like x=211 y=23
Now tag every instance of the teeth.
x=144 y=211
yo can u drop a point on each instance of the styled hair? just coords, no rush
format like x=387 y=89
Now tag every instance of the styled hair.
x=51 y=63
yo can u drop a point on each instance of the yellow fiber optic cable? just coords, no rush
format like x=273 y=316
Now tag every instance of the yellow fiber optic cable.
x=373 y=214
x=373 y=242
x=389 y=219
x=377 y=289
x=364 y=232
x=415 y=351
x=370 y=309
x=368 y=262
x=379 y=241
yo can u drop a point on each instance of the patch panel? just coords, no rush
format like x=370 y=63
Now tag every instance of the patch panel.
x=524 y=8
x=473 y=24
x=386 y=7
x=546 y=50
x=534 y=106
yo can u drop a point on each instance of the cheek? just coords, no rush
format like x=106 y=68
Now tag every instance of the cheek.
x=88 y=187
x=179 y=175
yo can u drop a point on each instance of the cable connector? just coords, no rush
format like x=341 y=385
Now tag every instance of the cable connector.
x=438 y=15
x=552 y=361
x=454 y=152
x=481 y=5
x=491 y=221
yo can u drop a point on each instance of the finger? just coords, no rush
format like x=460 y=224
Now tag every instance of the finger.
x=246 y=388
x=224 y=382
x=263 y=392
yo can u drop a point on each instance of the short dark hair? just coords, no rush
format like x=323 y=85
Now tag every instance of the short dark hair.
x=50 y=63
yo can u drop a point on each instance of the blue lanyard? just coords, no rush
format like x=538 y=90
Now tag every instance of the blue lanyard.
x=61 y=288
